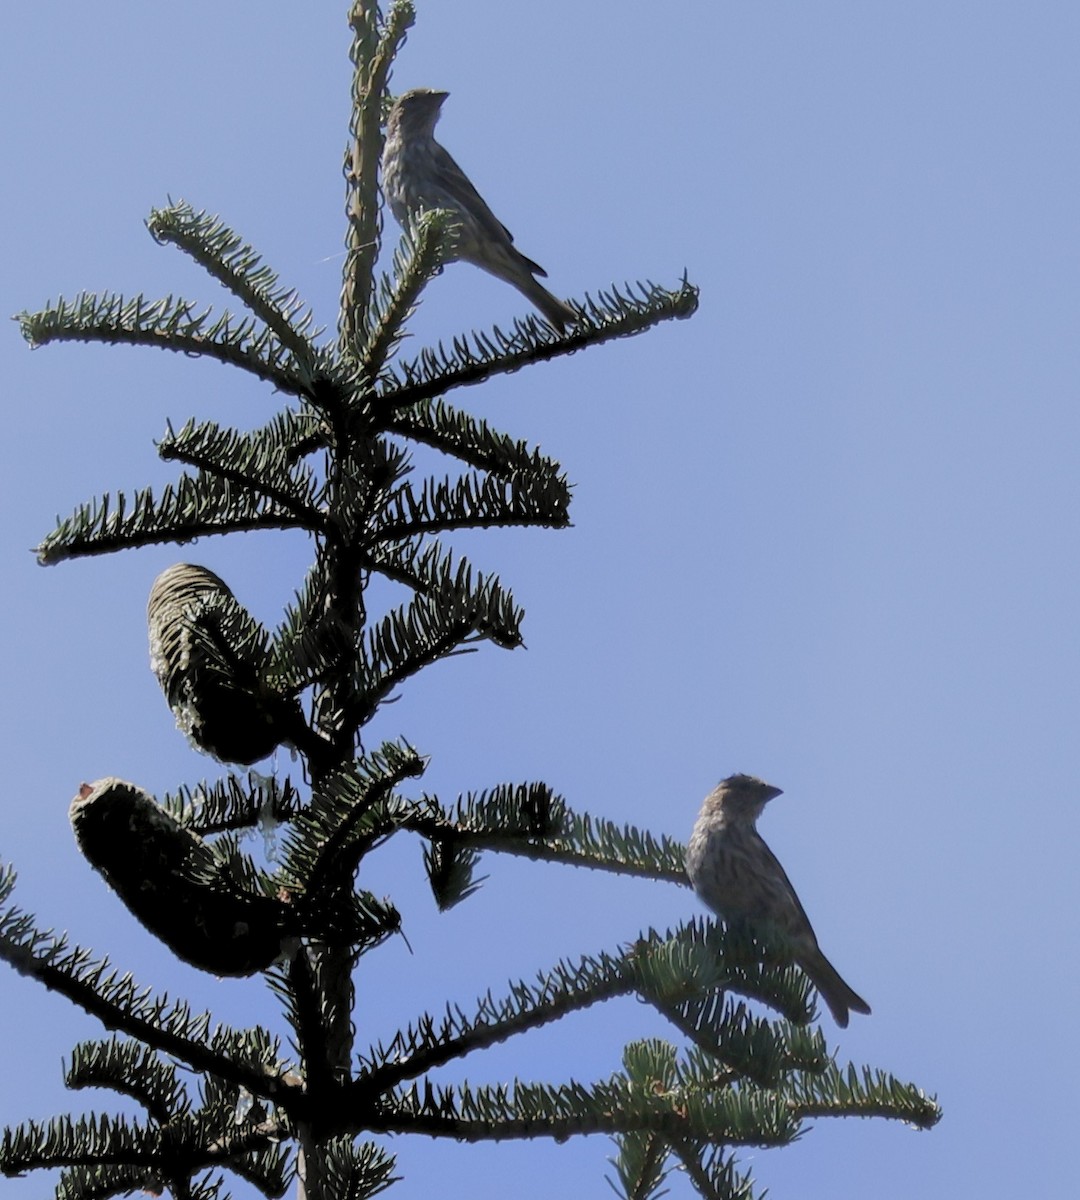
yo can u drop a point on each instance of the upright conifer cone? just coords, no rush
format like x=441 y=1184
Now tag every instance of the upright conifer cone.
x=208 y=654
x=169 y=879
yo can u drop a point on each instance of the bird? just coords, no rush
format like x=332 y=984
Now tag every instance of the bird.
x=419 y=175
x=738 y=877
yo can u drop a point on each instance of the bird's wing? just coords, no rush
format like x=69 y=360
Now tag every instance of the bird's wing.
x=453 y=180
x=799 y=922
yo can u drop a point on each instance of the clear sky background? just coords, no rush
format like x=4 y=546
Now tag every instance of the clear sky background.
x=825 y=532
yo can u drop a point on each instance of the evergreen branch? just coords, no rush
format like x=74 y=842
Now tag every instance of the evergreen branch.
x=337 y=995
x=327 y=911
x=869 y=1093
x=100 y=1183
x=712 y=1171
x=367 y=467
x=236 y=265
x=231 y=871
x=260 y=462
x=229 y=804
x=586 y=841
x=651 y=1064
x=508 y=811
x=371 y=53
x=532 y=822
x=247 y=1058
x=174 y=1152
x=451 y=871
x=349 y=813
x=495 y=819
x=753 y=1048
x=452 y=611
x=418 y=566
x=321 y=630
x=360 y=815
x=684 y=973
x=356 y=1171
x=266 y=1166
x=427 y=1044
x=664 y=969
x=309 y=444
x=458 y=434
x=615 y=314
x=132 y=1070
x=88 y=1141
x=207 y=1188
x=399 y=20
x=195 y=506
x=296 y=987
x=312 y=639
x=469 y=439
x=744 y=1081
x=417 y=259
x=641 y=1164
x=404 y=643
x=167 y=324
x=427 y=568
x=359 y=475
x=497 y=1113
x=231 y=1131
x=470 y=503
x=292 y=434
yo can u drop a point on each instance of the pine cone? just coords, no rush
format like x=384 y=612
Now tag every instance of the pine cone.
x=170 y=880
x=209 y=655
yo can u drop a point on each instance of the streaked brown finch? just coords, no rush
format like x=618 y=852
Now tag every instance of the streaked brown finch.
x=419 y=175
x=737 y=876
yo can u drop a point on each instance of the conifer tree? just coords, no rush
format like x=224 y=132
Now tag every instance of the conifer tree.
x=337 y=462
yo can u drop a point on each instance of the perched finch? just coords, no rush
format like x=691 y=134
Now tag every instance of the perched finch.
x=419 y=175
x=739 y=877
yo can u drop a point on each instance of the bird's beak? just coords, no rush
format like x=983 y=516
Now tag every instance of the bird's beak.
x=440 y=97
x=773 y=792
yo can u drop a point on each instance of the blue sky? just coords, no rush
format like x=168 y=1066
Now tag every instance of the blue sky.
x=825 y=532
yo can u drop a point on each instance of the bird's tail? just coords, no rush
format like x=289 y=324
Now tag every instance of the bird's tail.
x=555 y=311
x=509 y=264
x=840 y=998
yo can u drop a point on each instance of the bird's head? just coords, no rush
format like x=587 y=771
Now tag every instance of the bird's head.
x=415 y=112
x=743 y=796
